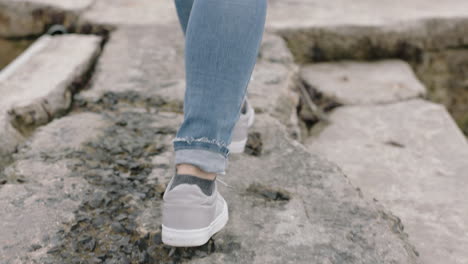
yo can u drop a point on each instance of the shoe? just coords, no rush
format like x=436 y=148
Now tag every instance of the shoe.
x=240 y=131
x=193 y=211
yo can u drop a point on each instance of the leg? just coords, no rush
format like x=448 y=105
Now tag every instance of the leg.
x=222 y=40
x=183 y=7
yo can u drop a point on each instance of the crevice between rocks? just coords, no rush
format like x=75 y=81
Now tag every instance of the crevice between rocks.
x=25 y=123
x=439 y=59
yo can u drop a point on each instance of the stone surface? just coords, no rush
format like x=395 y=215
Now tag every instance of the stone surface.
x=110 y=169
x=33 y=17
x=350 y=83
x=272 y=90
x=303 y=208
x=444 y=73
x=412 y=158
x=40 y=196
x=152 y=59
x=127 y=12
x=368 y=30
x=39 y=85
x=318 y=13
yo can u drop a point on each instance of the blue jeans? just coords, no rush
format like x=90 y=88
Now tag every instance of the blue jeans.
x=222 y=41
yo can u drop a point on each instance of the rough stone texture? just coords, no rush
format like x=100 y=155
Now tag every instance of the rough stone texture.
x=302 y=210
x=274 y=49
x=272 y=91
x=311 y=216
x=40 y=88
x=33 y=17
x=349 y=83
x=366 y=29
x=305 y=210
x=140 y=59
x=412 y=158
x=40 y=196
x=317 y=13
x=160 y=73
x=445 y=75
x=128 y=12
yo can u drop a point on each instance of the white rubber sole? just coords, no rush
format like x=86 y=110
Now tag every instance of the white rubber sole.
x=194 y=237
x=239 y=146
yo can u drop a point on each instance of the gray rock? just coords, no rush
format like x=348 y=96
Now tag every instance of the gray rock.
x=39 y=85
x=323 y=31
x=47 y=197
x=318 y=217
x=272 y=91
x=366 y=13
x=30 y=17
x=65 y=134
x=412 y=158
x=349 y=83
x=274 y=49
x=153 y=59
x=126 y=12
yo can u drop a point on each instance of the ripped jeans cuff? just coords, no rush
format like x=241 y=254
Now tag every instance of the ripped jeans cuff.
x=208 y=156
x=201 y=143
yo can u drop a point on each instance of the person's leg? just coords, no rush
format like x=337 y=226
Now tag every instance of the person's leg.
x=222 y=40
x=183 y=8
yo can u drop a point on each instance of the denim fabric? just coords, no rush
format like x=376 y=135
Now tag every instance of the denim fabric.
x=222 y=41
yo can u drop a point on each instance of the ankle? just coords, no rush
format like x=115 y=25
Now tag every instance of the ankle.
x=195 y=171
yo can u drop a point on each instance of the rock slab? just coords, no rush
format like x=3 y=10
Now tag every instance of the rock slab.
x=38 y=85
x=300 y=208
x=412 y=158
x=351 y=83
x=40 y=196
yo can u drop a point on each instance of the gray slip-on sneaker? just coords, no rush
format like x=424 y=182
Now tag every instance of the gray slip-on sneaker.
x=193 y=211
x=241 y=129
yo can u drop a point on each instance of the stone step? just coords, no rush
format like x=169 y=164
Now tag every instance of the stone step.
x=126 y=12
x=354 y=83
x=412 y=158
x=71 y=194
x=365 y=13
x=38 y=85
x=290 y=206
x=28 y=18
x=368 y=30
x=39 y=196
x=119 y=159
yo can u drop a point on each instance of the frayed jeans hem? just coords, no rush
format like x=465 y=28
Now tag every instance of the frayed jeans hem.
x=206 y=160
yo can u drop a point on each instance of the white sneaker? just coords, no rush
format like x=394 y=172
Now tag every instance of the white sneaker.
x=241 y=129
x=193 y=211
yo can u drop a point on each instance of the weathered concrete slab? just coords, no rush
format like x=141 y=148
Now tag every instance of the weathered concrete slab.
x=317 y=13
x=127 y=12
x=351 y=83
x=412 y=158
x=303 y=210
x=40 y=196
x=38 y=86
x=365 y=29
x=31 y=17
x=139 y=59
